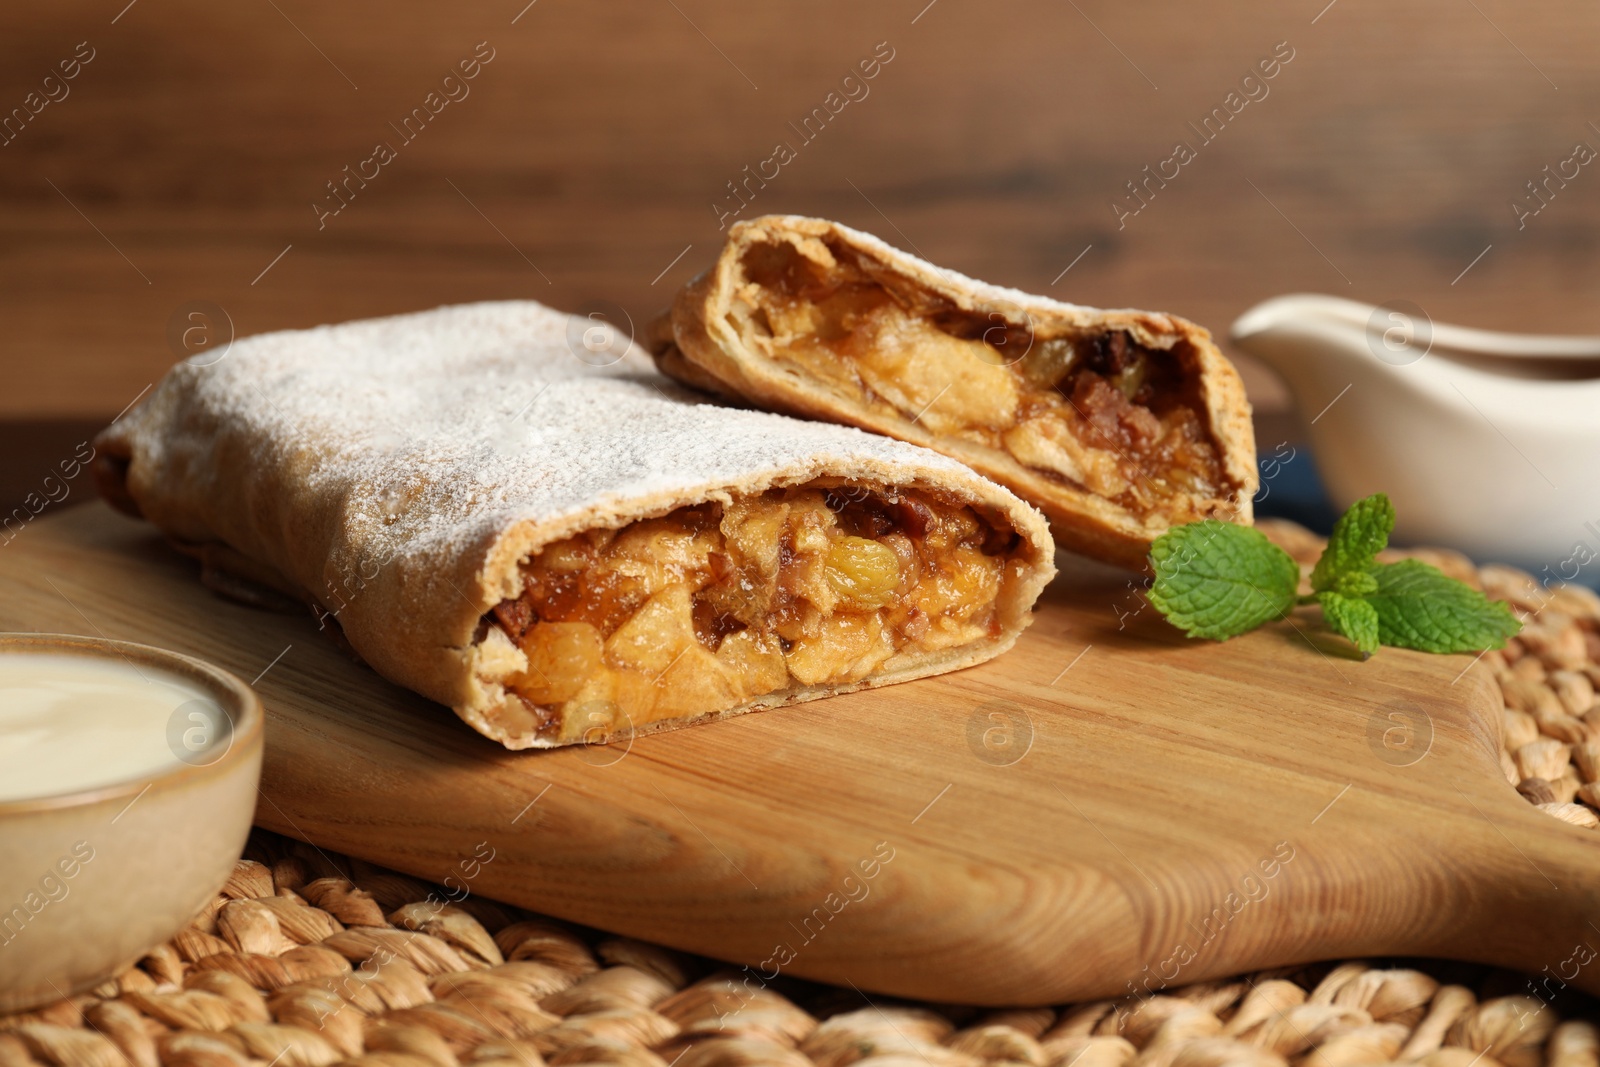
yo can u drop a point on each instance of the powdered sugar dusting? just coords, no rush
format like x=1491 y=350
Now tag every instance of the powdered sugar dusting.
x=439 y=429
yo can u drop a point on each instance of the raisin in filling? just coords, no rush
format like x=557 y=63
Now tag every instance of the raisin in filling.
x=1094 y=409
x=710 y=607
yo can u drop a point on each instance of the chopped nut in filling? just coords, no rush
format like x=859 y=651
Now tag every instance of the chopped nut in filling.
x=1092 y=408
x=713 y=606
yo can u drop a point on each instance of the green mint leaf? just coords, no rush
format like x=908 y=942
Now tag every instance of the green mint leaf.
x=1354 y=618
x=1420 y=607
x=1217 y=580
x=1359 y=535
x=1355 y=584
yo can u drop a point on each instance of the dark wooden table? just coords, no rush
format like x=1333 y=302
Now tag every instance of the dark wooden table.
x=587 y=161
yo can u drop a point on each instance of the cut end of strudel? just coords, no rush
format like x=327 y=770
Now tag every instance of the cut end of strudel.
x=559 y=543
x=1118 y=424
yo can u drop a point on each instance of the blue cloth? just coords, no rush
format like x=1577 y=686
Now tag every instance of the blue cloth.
x=1292 y=489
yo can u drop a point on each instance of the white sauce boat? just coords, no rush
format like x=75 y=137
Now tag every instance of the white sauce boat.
x=1486 y=442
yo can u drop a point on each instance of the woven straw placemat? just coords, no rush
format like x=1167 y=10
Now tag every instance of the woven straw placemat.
x=306 y=959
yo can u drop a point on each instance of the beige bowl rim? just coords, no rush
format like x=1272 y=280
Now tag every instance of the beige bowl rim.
x=236 y=698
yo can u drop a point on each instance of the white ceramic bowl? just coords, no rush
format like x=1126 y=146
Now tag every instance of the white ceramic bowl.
x=92 y=880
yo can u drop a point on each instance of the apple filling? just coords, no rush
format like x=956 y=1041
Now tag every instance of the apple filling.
x=1092 y=408
x=714 y=606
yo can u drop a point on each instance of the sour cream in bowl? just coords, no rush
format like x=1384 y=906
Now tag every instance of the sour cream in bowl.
x=128 y=780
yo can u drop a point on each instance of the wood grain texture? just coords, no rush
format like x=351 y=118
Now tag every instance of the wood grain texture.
x=1090 y=810
x=592 y=148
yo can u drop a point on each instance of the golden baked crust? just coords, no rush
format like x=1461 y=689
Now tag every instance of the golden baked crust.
x=717 y=341
x=397 y=473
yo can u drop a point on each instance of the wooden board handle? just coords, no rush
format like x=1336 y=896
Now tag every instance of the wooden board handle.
x=1538 y=879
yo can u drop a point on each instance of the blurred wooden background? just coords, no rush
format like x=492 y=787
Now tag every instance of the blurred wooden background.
x=184 y=159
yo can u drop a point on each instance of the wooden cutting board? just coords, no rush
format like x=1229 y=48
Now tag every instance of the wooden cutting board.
x=1107 y=804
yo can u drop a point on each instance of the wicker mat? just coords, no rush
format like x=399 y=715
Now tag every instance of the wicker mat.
x=307 y=959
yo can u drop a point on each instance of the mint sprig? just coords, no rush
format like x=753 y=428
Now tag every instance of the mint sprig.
x=1419 y=607
x=1216 y=580
x=1357 y=538
x=1354 y=618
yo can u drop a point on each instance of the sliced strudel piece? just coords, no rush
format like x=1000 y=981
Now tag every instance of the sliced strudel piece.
x=1118 y=424
x=569 y=552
